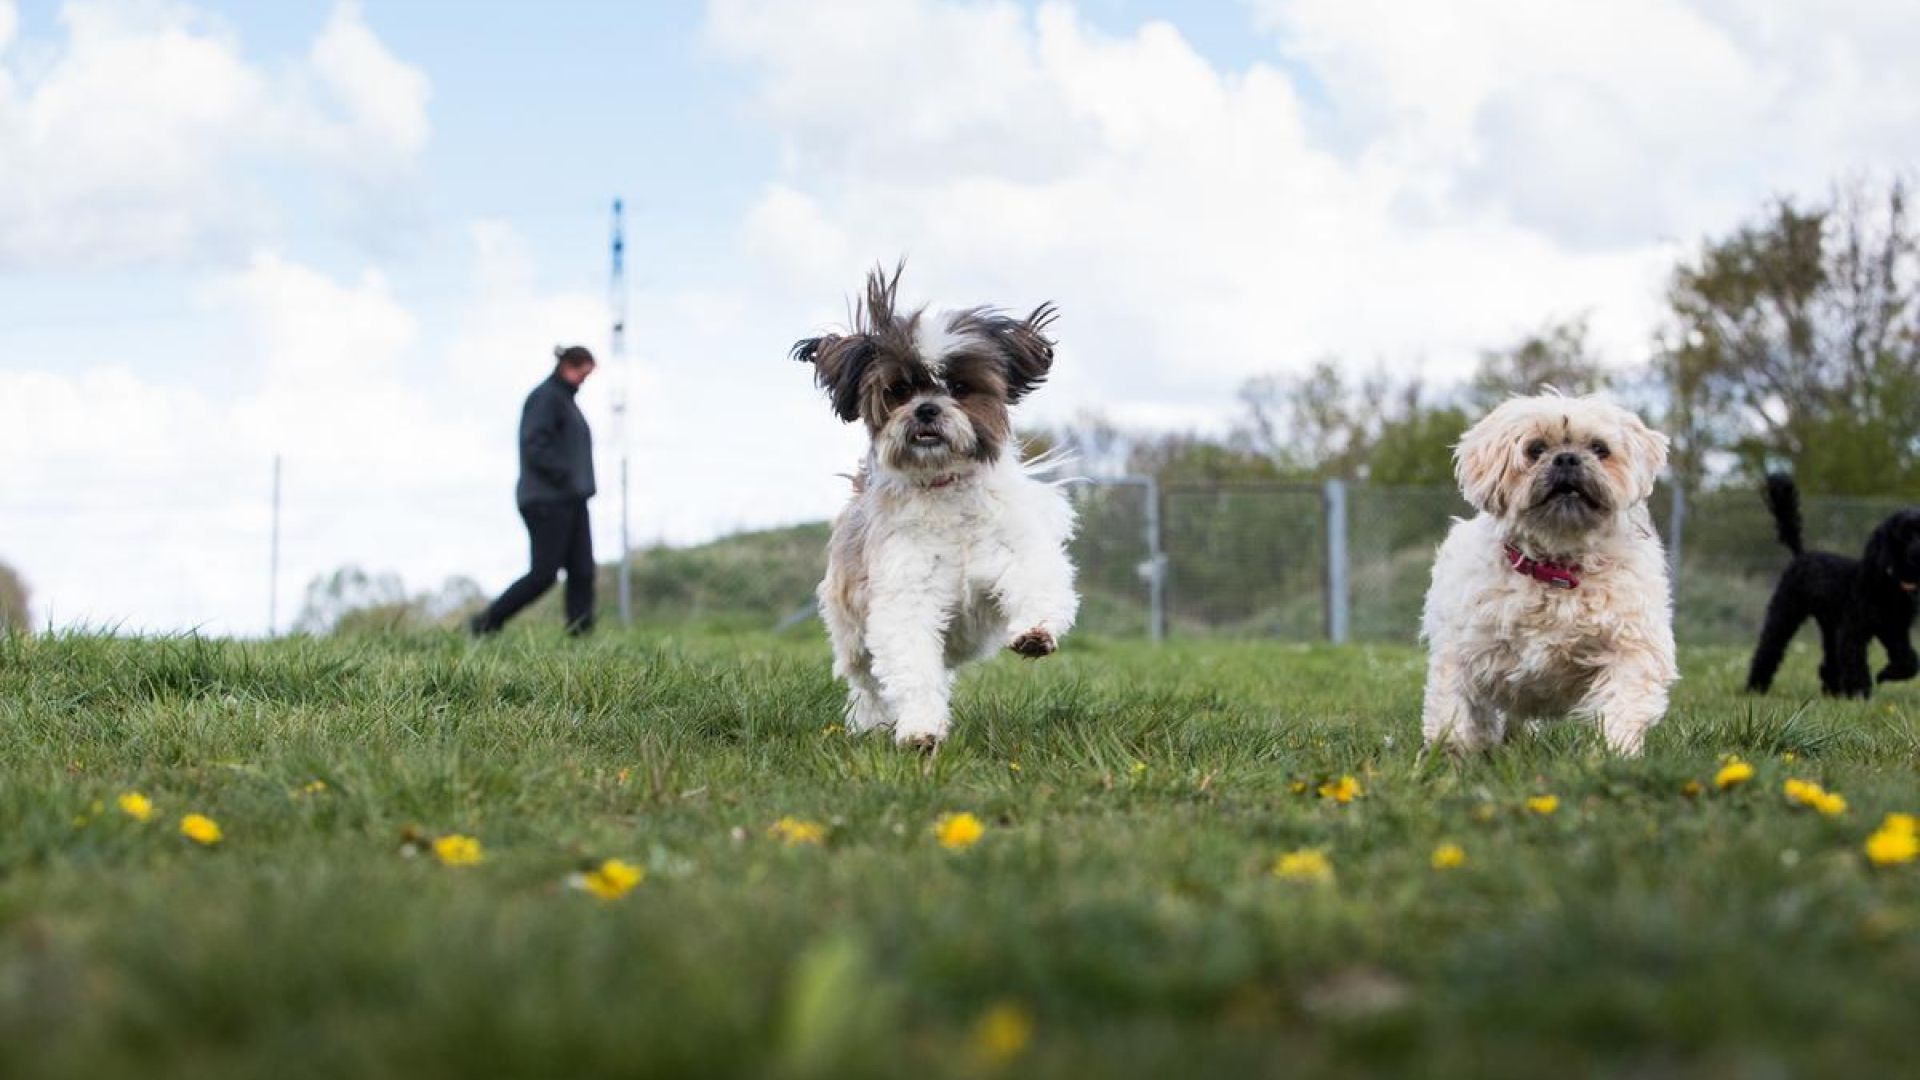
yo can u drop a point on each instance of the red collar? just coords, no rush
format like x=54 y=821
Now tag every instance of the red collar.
x=1557 y=574
x=943 y=480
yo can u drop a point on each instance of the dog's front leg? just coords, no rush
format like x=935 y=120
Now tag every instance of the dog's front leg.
x=1452 y=719
x=1902 y=662
x=911 y=603
x=1629 y=698
x=1035 y=591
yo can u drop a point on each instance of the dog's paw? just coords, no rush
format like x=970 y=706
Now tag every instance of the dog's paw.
x=1035 y=644
x=926 y=744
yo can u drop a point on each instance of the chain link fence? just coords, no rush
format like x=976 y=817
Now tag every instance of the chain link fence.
x=1352 y=562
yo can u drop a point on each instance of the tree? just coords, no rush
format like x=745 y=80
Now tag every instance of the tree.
x=1795 y=341
x=1321 y=425
x=1556 y=355
x=14 y=612
x=351 y=600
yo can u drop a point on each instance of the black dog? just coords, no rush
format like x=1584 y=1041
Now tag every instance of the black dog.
x=1853 y=600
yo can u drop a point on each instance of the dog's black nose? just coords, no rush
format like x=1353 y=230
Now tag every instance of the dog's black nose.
x=927 y=413
x=1566 y=459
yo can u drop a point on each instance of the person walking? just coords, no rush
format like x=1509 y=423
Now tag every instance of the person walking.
x=556 y=480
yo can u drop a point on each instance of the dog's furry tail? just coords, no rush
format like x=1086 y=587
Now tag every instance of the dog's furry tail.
x=1783 y=498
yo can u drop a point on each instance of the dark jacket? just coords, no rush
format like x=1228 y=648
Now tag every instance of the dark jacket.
x=556 y=448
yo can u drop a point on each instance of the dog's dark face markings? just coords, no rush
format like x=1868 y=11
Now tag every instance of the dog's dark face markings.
x=1894 y=551
x=934 y=390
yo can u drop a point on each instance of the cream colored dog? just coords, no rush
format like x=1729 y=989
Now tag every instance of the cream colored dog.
x=1553 y=600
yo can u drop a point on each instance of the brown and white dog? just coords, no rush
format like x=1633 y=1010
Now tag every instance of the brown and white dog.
x=1553 y=600
x=951 y=547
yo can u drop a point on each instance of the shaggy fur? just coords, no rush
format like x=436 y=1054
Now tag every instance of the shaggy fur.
x=1853 y=600
x=1558 y=482
x=951 y=548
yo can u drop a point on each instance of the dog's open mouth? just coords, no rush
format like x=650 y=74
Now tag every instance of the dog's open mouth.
x=926 y=438
x=1565 y=491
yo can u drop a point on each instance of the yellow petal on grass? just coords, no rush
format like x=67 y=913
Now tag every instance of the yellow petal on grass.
x=1895 y=842
x=1449 y=856
x=1731 y=775
x=454 y=849
x=1306 y=864
x=136 y=806
x=1343 y=791
x=1811 y=795
x=201 y=829
x=612 y=879
x=1002 y=1033
x=795 y=832
x=1544 y=804
x=958 y=832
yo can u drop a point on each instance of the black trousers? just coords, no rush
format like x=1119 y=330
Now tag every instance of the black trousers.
x=561 y=537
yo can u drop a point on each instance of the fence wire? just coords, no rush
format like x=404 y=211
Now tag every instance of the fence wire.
x=1254 y=560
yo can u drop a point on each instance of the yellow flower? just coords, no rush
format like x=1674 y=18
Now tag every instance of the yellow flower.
x=1731 y=775
x=1809 y=794
x=136 y=806
x=1890 y=847
x=833 y=729
x=1342 y=791
x=1789 y=757
x=1138 y=768
x=612 y=879
x=1449 y=856
x=1306 y=864
x=1691 y=789
x=958 y=832
x=314 y=787
x=794 y=832
x=1298 y=787
x=456 y=850
x=1002 y=1033
x=1013 y=766
x=200 y=829
x=1544 y=804
x=1902 y=823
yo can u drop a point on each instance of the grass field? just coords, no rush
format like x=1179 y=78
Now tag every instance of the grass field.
x=1119 y=915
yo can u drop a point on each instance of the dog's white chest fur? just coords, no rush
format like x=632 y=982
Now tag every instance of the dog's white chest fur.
x=922 y=579
x=1506 y=647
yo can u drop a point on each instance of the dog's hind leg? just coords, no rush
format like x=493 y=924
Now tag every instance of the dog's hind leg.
x=1785 y=614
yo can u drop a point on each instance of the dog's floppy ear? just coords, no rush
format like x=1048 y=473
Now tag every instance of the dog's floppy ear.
x=839 y=363
x=1893 y=535
x=1646 y=454
x=1025 y=350
x=1481 y=462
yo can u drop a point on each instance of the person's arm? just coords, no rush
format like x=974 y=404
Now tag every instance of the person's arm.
x=540 y=444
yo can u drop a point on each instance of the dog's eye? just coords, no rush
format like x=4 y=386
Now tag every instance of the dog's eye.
x=1600 y=450
x=1535 y=449
x=899 y=392
x=959 y=389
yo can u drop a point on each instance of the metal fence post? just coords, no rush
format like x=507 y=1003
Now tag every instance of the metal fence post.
x=1156 y=568
x=1339 y=600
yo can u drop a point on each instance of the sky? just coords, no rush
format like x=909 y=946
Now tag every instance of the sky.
x=348 y=234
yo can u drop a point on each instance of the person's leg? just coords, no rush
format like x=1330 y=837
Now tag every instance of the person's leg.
x=580 y=573
x=548 y=535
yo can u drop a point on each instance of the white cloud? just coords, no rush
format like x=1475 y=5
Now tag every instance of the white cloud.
x=1187 y=219
x=136 y=140
x=136 y=502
